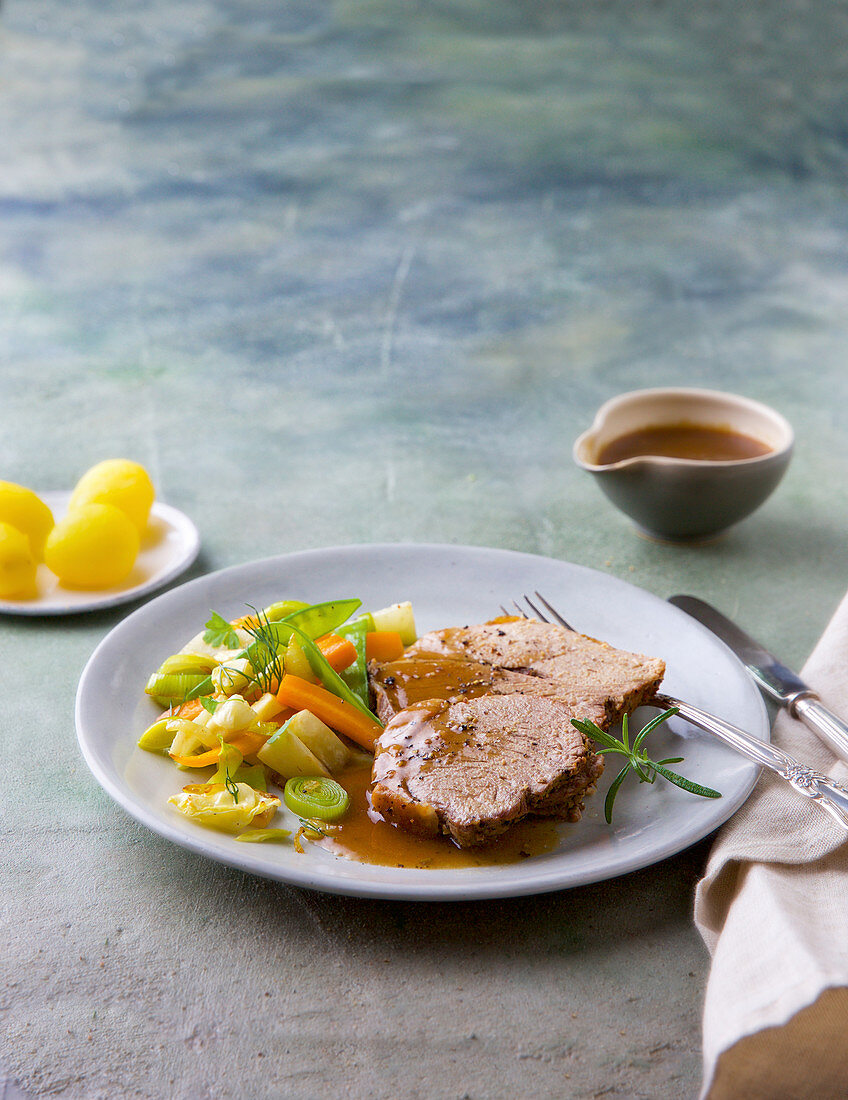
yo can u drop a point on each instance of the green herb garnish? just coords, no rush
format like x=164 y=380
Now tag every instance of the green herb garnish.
x=209 y=704
x=637 y=758
x=220 y=632
x=266 y=658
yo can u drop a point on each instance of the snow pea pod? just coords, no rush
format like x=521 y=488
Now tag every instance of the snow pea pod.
x=317 y=618
x=356 y=675
x=279 y=610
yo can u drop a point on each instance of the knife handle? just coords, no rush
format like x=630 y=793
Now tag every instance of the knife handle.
x=823 y=722
x=812 y=784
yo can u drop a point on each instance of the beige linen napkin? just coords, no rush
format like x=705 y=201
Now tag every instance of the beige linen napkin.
x=773 y=911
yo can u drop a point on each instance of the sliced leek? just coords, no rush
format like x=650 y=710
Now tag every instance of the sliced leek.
x=315 y=796
x=264 y=836
x=157 y=738
x=170 y=688
x=188 y=662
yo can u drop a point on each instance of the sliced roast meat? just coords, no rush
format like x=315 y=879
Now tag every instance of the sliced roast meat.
x=398 y=684
x=478 y=725
x=472 y=767
x=504 y=643
x=587 y=673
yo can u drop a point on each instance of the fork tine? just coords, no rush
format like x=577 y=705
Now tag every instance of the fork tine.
x=539 y=615
x=552 y=610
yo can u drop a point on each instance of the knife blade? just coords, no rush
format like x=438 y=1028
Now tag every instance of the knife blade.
x=774 y=679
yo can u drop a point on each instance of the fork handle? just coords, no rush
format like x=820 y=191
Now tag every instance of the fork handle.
x=831 y=796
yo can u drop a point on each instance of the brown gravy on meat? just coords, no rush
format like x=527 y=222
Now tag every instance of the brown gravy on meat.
x=366 y=838
x=434 y=676
x=692 y=441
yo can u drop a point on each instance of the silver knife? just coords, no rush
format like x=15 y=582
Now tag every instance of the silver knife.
x=775 y=680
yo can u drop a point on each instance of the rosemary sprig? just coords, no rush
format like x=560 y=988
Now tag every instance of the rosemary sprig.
x=637 y=758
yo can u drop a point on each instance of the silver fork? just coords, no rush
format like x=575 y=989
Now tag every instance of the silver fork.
x=826 y=793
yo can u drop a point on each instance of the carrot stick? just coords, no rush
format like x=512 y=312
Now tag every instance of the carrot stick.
x=338 y=715
x=247 y=742
x=337 y=651
x=383 y=645
x=185 y=710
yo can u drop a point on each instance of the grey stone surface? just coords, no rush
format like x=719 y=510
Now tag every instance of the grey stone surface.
x=354 y=272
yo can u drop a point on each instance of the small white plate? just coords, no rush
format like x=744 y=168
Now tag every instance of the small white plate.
x=448 y=585
x=168 y=547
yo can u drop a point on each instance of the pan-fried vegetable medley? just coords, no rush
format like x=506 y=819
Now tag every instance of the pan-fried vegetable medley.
x=275 y=699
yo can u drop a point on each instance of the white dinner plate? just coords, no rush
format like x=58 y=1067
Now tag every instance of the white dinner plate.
x=448 y=585
x=168 y=547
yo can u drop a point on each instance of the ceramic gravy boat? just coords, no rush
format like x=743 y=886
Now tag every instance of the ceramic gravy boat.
x=686 y=499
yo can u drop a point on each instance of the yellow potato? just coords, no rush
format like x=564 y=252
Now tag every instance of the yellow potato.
x=119 y=482
x=94 y=546
x=21 y=508
x=17 y=564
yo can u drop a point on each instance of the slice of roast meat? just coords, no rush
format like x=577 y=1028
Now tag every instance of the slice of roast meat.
x=580 y=670
x=505 y=643
x=415 y=678
x=472 y=767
